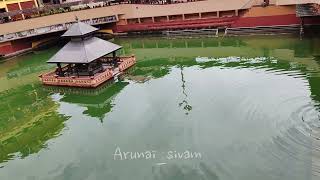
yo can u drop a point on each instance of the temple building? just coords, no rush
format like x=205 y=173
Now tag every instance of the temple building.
x=86 y=61
x=16 y=5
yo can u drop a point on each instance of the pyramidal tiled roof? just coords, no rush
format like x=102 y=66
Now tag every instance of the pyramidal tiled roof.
x=79 y=29
x=84 y=51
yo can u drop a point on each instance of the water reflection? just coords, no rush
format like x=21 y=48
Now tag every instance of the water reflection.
x=98 y=102
x=186 y=106
x=289 y=57
x=252 y=106
x=28 y=120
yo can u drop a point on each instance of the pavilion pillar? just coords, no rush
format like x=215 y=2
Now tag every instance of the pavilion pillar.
x=77 y=70
x=114 y=60
x=114 y=55
x=89 y=70
x=59 y=69
x=301 y=26
x=69 y=69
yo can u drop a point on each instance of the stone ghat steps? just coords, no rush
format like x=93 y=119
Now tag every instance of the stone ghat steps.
x=263 y=30
x=192 y=32
x=178 y=24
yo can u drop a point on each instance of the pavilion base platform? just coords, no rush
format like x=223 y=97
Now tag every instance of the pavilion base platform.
x=108 y=72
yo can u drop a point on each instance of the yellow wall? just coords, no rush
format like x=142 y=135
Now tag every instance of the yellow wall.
x=270 y=11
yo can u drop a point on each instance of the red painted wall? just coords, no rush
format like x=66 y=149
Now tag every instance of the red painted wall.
x=5 y=48
x=312 y=20
x=276 y=20
x=21 y=44
x=27 y=5
x=14 y=7
x=177 y=24
x=14 y=46
x=289 y=19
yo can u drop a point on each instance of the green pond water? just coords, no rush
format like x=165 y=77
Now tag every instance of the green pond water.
x=190 y=109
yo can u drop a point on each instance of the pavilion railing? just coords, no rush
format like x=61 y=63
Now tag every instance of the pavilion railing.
x=127 y=62
x=52 y=78
x=82 y=81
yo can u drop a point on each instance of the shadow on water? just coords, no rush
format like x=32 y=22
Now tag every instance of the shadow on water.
x=30 y=116
x=98 y=102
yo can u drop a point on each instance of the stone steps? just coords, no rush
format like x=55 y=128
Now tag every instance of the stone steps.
x=263 y=30
x=192 y=32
